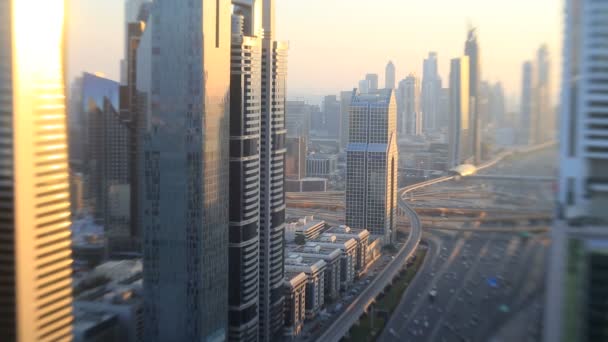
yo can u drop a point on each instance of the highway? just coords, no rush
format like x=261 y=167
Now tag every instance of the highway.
x=482 y=275
x=342 y=324
x=351 y=315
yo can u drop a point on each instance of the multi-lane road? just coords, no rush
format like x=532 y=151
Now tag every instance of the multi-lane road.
x=351 y=315
x=481 y=278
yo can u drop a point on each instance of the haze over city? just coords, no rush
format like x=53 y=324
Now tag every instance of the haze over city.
x=333 y=43
x=303 y=170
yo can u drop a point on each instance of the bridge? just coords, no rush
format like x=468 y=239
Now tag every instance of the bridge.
x=512 y=178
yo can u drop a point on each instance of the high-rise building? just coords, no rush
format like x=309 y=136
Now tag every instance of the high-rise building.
x=258 y=161
x=389 y=76
x=576 y=307
x=295 y=164
x=272 y=189
x=460 y=141
x=498 y=106
x=185 y=170
x=345 y=98
x=372 y=81
x=35 y=240
x=411 y=116
x=430 y=94
x=443 y=112
x=106 y=161
x=372 y=163
x=528 y=113
x=364 y=86
x=245 y=130
x=471 y=50
x=299 y=118
x=545 y=130
x=332 y=122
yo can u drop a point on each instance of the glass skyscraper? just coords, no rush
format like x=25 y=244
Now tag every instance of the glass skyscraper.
x=185 y=170
x=372 y=164
x=35 y=240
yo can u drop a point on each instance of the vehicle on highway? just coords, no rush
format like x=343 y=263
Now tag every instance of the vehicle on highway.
x=432 y=295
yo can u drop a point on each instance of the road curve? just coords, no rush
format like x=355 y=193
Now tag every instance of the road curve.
x=351 y=315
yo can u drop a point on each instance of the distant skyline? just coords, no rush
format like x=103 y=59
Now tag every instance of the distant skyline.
x=334 y=43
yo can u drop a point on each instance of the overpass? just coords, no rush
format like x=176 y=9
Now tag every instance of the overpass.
x=513 y=178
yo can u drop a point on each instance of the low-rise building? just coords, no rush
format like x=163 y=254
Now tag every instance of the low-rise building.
x=332 y=257
x=361 y=236
x=308 y=184
x=294 y=289
x=308 y=227
x=114 y=288
x=321 y=165
x=348 y=247
x=89 y=244
x=94 y=326
x=315 y=272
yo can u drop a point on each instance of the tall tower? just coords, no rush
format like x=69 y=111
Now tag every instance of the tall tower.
x=412 y=117
x=460 y=140
x=185 y=171
x=272 y=191
x=372 y=162
x=431 y=93
x=576 y=304
x=545 y=130
x=471 y=50
x=35 y=241
x=389 y=76
x=245 y=110
x=528 y=113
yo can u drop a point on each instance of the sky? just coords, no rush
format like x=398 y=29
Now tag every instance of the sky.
x=334 y=43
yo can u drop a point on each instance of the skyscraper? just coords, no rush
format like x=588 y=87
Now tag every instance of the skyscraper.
x=185 y=170
x=245 y=116
x=576 y=304
x=545 y=130
x=528 y=113
x=389 y=76
x=345 y=98
x=372 y=162
x=498 y=106
x=471 y=50
x=431 y=93
x=372 y=81
x=35 y=241
x=106 y=161
x=272 y=191
x=412 y=121
x=331 y=113
x=460 y=140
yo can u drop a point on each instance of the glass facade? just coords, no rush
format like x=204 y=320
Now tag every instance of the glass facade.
x=185 y=172
x=372 y=159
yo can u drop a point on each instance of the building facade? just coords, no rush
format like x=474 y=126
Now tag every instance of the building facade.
x=244 y=212
x=185 y=171
x=372 y=162
x=576 y=284
x=460 y=140
x=389 y=76
x=431 y=93
x=36 y=257
x=345 y=98
x=411 y=116
x=471 y=50
x=528 y=110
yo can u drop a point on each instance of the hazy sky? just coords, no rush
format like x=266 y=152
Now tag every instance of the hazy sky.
x=333 y=43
